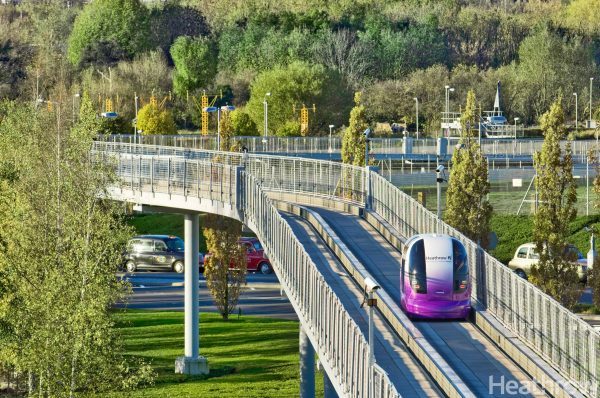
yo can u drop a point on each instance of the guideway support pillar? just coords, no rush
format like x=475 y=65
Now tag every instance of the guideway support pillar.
x=191 y=363
x=307 y=366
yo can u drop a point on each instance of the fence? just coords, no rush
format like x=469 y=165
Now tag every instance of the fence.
x=555 y=333
x=308 y=145
x=337 y=338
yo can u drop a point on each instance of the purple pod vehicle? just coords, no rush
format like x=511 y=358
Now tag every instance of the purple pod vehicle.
x=434 y=278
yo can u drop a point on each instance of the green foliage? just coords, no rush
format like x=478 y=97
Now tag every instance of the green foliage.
x=227 y=135
x=353 y=140
x=467 y=206
x=291 y=128
x=581 y=16
x=154 y=120
x=225 y=268
x=171 y=20
x=242 y=124
x=555 y=274
x=195 y=63
x=109 y=30
x=59 y=328
x=296 y=84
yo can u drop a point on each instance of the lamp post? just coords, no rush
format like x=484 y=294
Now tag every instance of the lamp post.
x=76 y=95
x=516 y=120
x=417 y=104
x=135 y=99
x=447 y=117
x=439 y=179
x=331 y=126
x=224 y=108
x=370 y=288
x=367 y=132
x=591 y=87
x=266 y=116
x=576 y=112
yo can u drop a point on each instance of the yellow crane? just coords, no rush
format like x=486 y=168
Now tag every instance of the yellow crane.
x=206 y=100
x=304 y=117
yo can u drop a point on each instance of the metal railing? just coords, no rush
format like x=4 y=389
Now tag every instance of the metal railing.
x=321 y=145
x=340 y=344
x=555 y=333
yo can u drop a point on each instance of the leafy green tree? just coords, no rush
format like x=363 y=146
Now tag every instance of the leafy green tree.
x=353 y=140
x=242 y=124
x=109 y=30
x=170 y=20
x=59 y=329
x=225 y=267
x=195 y=62
x=154 y=120
x=581 y=16
x=467 y=207
x=556 y=273
x=291 y=128
x=296 y=84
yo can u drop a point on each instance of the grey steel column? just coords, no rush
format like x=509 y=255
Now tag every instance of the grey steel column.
x=328 y=389
x=192 y=277
x=307 y=366
x=191 y=362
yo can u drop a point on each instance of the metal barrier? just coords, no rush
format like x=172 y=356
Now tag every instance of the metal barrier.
x=322 y=145
x=555 y=333
x=340 y=344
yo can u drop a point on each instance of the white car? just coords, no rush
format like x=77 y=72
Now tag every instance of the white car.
x=526 y=256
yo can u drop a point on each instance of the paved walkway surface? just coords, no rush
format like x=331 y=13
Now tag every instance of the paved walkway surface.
x=390 y=353
x=474 y=357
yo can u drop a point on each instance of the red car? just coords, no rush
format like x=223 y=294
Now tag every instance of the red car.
x=255 y=255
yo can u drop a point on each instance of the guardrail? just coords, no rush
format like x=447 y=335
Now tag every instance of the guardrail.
x=341 y=346
x=555 y=333
x=308 y=145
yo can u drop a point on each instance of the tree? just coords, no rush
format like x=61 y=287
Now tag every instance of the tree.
x=580 y=15
x=171 y=20
x=195 y=62
x=467 y=207
x=154 y=120
x=59 y=329
x=296 y=84
x=556 y=273
x=242 y=124
x=225 y=267
x=353 y=140
x=109 y=30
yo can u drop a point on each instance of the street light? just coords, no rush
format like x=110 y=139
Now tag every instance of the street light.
x=211 y=109
x=370 y=287
x=516 y=120
x=576 y=112
x=331 y=126
x=76 y=95
x=591 y=87
x=439 y=171
x=266 y=116
x=417 y=103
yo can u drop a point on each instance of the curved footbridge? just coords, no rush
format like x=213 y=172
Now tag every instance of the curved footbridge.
x=327 y=227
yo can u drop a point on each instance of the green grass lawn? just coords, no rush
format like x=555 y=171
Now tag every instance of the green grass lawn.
x=248 y=357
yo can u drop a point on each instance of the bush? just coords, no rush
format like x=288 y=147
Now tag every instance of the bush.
x=291 y=128
x=153 y=120
x=242 y=124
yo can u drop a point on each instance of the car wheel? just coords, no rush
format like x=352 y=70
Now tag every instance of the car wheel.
x=521 y=273
x=265 y=268
x=130 y=267
x=178 y=267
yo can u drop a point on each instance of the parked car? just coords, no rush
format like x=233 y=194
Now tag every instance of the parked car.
x=157 y=252
x=257 y=260
x=526 y=256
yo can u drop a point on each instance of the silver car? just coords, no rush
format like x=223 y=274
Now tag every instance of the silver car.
x=526 y=256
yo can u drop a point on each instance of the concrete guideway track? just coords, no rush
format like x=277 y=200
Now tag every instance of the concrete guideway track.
x=403 y=369
x=476 y=359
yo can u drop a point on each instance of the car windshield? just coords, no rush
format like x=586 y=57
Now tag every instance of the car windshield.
x=175 y=244
x=257 y=245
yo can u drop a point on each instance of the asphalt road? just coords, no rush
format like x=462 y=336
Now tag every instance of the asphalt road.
x=164 y=291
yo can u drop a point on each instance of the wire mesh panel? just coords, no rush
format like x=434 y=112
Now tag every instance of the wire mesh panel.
x=554 y=332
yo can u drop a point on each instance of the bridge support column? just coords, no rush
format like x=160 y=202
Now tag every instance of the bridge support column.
x=307 y=366
x=191 y=363
x=328 y=389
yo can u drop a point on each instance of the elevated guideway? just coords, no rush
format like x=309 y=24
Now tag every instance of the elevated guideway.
x=471 y=354
x=513 y=311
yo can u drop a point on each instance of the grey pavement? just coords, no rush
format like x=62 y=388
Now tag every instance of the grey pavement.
x=164 y=291
x=472 y=355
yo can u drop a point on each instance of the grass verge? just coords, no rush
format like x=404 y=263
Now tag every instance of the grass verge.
x=248 y=357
